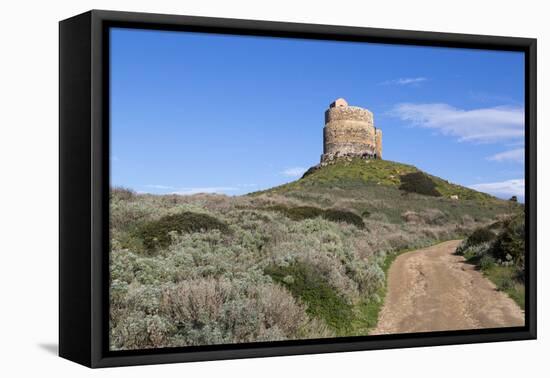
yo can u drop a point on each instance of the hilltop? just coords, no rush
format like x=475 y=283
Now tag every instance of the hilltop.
x=389 y=189
x=351 y=173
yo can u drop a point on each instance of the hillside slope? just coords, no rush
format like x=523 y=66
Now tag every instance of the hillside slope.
x=375 y=187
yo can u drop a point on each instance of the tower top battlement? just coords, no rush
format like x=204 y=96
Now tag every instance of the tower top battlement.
x=340 y=102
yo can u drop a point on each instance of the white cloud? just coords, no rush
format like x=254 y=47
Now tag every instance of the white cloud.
x=294 y=172
x=515 y=187
x=213 y=189
x=516 y=155
x=405 y=81
x=476 y=125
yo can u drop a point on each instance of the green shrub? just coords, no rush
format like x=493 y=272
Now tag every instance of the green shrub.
x=481 y=235
x=486 y=262
x=510 y=244
x=334 y=215
x=302 y=212
x=462 y=249
x=477 y=243
x=322 y=300
x=156 y=234
x=473 y=253
x=418 y=182
x=299 y=213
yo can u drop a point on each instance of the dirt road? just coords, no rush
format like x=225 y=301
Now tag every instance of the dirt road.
x=432 y=289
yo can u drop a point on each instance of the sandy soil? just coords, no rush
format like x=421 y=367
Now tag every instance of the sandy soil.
x=431 y=289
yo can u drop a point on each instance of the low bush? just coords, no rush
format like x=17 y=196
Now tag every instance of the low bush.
x=428 y=216
x=418 y=182
x=434 y=217
x=411 y=217
x=486 y=262
x=510 y=244
x=498 y=250
x=140 y=331
x=156 y=234
x=478 y=241
x=212 y=311
x=302 y=212
x=343 y=216
x=299 y=213
x=321 y=299
x=474 y=253
x=481 y=235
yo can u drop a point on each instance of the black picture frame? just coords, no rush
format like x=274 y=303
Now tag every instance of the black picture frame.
x=84 y=187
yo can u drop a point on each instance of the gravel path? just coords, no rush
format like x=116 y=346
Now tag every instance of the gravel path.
x=431 y=289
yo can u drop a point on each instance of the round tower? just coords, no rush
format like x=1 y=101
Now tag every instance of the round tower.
x=349 y=132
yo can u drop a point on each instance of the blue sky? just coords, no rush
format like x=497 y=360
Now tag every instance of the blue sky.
x=195 y=112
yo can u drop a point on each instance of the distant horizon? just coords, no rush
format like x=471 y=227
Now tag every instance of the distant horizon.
x=203 y=113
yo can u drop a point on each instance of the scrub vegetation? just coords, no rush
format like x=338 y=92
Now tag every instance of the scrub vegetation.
x=498 y=250
x=303 y=260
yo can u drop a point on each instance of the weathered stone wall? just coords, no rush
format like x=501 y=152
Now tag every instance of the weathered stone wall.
x=348 y=113
x=378 y=142
x=350 y=131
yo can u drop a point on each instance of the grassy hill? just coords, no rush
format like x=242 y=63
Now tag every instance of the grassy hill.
x=354 y=173
x=303 y=260
x=370 y=187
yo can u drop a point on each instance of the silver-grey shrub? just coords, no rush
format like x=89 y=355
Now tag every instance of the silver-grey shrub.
x=211 y=287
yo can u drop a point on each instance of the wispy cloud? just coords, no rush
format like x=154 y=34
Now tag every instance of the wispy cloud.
x=515 y=187
x=492 y=97
x=163 y=187
x=169 y=189
x=516 y=155
x=294 y=171
x=213 y=189
x=477 y=125
x=405 y=81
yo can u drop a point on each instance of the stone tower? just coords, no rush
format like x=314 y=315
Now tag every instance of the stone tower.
x=349 y=132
